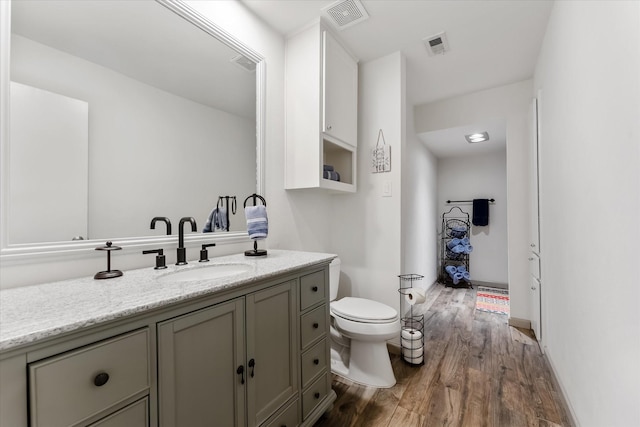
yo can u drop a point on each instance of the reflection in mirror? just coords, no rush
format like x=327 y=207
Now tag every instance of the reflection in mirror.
x=121 y=112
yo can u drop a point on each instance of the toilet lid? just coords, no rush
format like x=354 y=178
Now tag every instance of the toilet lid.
x=363 y=310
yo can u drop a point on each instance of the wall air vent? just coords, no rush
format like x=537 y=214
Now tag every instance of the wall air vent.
x=345 y=13
x=437 y=44
x=244 y=63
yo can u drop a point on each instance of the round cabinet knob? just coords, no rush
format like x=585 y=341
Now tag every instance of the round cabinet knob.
x=316 y=395
x=101 y=379
x=316 y=325
x=314 y=289
x=316 y=361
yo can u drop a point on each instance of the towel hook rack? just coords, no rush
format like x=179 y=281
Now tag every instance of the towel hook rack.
x=255 y=251
x=468 y=201
x=230 y=202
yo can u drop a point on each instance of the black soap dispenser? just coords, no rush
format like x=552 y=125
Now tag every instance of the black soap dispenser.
x=109 y=273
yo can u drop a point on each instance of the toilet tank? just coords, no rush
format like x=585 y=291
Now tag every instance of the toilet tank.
x=334 y=278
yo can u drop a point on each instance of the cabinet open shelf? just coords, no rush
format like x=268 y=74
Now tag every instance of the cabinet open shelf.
x=342 y=158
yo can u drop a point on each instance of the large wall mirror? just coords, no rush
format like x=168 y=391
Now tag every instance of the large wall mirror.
x=121 y=111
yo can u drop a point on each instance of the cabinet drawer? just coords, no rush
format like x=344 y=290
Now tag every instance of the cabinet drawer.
x=134 y=415
x=311 y=289
x=314 y=361
x=313 y=396
x=287 y=418
x=67 y=389
x=313 y=325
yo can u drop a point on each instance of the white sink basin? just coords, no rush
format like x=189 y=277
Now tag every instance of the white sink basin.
x=215 y=271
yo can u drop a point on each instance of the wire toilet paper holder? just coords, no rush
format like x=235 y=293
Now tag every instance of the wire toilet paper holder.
x=411 y=324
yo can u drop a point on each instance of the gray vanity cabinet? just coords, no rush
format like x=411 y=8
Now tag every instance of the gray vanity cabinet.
x=198 y=355
x=253 y=354
x=231 y=362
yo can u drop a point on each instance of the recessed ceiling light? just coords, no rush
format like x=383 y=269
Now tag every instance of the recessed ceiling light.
x=477 y=137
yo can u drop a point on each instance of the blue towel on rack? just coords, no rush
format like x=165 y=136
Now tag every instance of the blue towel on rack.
x=458 y=232
x=217 y=220
x=257 y=222
x=456 y=278
x=451 y=269
x=480 y=212
x=453 y=243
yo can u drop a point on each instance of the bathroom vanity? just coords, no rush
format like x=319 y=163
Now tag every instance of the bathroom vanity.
x=241 y=342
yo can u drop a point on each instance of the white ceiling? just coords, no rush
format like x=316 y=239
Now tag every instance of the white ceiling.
x=451 y=142
x=492 y=43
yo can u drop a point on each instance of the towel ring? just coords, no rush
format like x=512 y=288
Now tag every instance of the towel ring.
x=255 y=197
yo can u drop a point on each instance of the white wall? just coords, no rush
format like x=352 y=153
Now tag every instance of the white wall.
x=589 y=74
x=480 y=176
x=135 y=132
x=365 y=230
x=419 y=207
x=511 y=103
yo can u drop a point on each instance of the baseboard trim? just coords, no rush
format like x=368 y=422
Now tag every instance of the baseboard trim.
x=519 y=323
x=561 y=392
x=490 y=284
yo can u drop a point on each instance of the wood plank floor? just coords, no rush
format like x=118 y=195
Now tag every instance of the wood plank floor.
x=478 y=371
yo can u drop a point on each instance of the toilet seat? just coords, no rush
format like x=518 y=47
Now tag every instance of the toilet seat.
x=363 y=310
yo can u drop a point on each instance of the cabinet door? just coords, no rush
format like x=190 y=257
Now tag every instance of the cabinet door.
x=198 y=358
x=271 y=349
x=340 y=90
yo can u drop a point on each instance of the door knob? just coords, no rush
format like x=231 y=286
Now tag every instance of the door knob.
x=533 y=288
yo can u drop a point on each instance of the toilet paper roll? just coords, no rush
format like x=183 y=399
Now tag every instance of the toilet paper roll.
x=413 y=356
x=411 y=334
x=416 y=361
x=412 y=346
x=414 y=296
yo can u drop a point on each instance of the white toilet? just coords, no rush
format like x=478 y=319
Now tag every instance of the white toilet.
x=359 y=331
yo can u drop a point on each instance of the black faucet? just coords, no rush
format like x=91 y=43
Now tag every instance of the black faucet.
x=163 y=219
x=182 y=252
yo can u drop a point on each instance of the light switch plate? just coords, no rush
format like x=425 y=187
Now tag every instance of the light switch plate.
x=386 y=189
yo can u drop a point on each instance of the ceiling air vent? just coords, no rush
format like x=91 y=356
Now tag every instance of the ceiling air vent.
x=437 y=44
x=244 y=63
x=345 y=13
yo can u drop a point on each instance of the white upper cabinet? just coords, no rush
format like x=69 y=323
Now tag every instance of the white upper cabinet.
x=321 y=111
x=340 y=89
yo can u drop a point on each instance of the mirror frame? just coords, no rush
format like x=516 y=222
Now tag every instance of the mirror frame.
x=28 y=252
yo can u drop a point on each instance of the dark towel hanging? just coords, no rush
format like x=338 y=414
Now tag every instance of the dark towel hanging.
x=480 y=212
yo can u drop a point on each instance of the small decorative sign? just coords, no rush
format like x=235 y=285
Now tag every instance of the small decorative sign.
x=381 y=156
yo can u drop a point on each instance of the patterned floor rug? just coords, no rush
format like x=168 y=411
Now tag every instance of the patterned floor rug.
x=492 y=300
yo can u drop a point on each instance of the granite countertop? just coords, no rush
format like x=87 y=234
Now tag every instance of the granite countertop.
x=32 y=313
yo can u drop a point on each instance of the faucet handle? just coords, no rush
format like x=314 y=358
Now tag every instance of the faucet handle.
x=204 y=254
x=160 y=258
